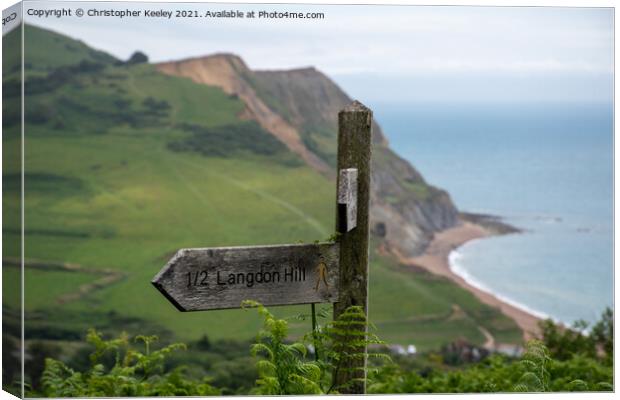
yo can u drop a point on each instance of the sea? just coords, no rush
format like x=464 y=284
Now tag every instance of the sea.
x=546 y=169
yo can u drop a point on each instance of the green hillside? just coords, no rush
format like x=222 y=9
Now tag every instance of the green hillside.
x=46 y=50
x=125 y=165
x=11 y=217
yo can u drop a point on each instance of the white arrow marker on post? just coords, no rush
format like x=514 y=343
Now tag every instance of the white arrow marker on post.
x=347 y=199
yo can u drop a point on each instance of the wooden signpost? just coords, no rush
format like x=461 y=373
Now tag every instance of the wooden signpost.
x=216 y=278
x=222 y=277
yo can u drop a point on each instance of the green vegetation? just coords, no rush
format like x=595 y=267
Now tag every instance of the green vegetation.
x=138 y=57
x=565 y=343
x=116 y=368
x=536 y=371
x=64 y=282
x=322 y=142
x=11 y=198
x=133 y=373
x=564 y=360
x=239 y=140
x=337 y=344
x=47 y=50
x=284 y=370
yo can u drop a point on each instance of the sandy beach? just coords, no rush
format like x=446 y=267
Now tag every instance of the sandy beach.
x=435 y=260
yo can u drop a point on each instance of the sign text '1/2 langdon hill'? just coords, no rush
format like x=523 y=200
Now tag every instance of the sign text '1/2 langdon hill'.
x=215 y=278
x=265 y=275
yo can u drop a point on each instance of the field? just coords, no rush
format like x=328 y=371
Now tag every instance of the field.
x=107 y=190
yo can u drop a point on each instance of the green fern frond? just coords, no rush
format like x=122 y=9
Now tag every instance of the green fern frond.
x=604 y=386
x=257 y=348
x=578 y=385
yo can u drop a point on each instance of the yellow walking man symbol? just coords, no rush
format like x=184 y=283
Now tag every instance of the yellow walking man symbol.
x=321 y=274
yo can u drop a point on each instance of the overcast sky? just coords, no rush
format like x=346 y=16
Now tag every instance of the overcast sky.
x=387 y=53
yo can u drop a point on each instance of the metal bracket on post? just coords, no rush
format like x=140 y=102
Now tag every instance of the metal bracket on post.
x=347 y=199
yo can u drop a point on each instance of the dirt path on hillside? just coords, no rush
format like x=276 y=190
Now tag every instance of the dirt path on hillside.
x=108 y=276
x=489 y=344
x=308 y=219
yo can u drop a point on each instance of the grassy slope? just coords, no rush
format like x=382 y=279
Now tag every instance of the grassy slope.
x=46 y=49
x=111 y=195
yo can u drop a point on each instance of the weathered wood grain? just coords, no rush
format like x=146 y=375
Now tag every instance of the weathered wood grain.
x=218 y=278
x=347 y=199
x=354 y=142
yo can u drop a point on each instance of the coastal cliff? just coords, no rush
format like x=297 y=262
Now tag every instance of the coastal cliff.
x=299 y=107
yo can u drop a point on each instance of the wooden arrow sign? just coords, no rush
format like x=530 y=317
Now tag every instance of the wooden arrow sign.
x=222 y=277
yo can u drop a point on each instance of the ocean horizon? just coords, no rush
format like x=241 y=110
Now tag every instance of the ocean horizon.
x=546 y=169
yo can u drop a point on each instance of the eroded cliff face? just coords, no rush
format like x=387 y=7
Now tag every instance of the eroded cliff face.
x=300 y=108
x=405 y=210
x=230 y=73
x=308 y=98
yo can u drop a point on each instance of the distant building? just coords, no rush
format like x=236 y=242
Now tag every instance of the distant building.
x=511 y=350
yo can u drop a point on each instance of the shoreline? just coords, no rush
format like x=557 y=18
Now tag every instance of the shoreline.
x=436 y=259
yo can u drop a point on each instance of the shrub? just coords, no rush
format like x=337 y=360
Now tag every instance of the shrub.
x=233 y=140
x=564 y=343
x=133 y=373
x=536 y=371
x=285 y=368
x=138 y=57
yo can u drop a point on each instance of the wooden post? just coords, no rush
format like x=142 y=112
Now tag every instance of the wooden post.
x=354 y=141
